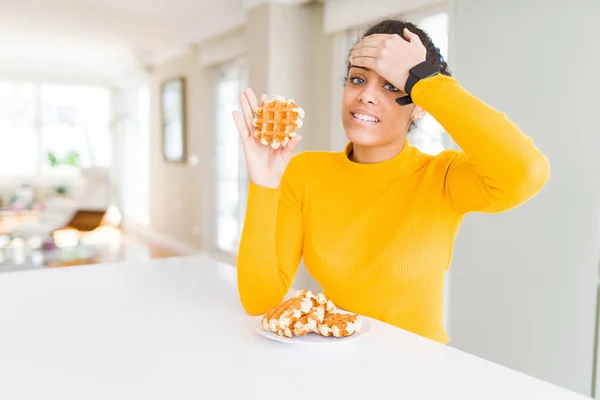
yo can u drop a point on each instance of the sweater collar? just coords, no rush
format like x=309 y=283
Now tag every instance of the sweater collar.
x=391 y=168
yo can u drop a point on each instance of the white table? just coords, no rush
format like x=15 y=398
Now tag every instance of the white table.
x=175 y=329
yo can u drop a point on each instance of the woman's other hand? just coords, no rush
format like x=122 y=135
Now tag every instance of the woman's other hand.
x=265 y=164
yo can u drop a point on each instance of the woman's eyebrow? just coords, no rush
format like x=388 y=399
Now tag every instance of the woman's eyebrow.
x=356 y=66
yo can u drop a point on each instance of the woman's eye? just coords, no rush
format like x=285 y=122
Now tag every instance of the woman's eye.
x=356 y=80
x=390 y=87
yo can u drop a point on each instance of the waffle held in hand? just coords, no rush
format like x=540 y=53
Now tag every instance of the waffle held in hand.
x=276 y=121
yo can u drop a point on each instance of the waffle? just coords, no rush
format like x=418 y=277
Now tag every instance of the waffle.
x=297 y=316
x=326 y=305
x=339 y=325
x=276 y=121
x=280 y=317
x=306 y=313
x=303 y=294
x=307 y=323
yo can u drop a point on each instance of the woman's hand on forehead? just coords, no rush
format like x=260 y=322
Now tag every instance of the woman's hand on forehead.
x=390 y=56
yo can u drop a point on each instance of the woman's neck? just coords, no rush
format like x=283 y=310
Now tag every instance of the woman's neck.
x=375 y=154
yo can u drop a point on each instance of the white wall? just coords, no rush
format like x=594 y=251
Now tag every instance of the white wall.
x=342 y=15
x=524 y=283
x=130 y=146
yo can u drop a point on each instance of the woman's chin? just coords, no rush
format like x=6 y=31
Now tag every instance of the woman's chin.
x=363 y=138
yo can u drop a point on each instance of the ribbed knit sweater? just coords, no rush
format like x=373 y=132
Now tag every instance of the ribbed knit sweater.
x=379 y=237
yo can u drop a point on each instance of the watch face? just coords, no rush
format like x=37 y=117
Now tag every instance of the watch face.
x=424 y=70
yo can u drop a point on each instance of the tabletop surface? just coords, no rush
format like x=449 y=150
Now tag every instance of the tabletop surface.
x=174 y=329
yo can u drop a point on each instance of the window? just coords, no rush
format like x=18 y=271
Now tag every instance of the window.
x=430 y=137
x=76 y=118
x=230 y=177
x=18 y=129
x=52 y=118
x=134 y=153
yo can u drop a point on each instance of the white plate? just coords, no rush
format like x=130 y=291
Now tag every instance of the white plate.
x=312 y=337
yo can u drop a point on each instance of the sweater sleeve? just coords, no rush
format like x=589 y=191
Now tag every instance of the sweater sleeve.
x=498 y=168
x=271 y=244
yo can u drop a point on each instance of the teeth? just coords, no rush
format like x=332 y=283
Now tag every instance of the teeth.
x=365 y=117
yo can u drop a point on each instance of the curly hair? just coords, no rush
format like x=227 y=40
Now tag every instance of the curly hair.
x=392 y=26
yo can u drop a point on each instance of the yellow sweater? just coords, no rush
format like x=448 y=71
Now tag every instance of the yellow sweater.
x=378 y=238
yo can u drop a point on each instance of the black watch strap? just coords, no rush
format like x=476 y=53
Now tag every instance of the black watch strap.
x=404 y=100
x=410 y=82
x=418 y=72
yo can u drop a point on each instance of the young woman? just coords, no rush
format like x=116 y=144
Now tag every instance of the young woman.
x=376 y=223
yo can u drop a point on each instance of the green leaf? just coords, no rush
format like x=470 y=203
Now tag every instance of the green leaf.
x=52 y=160
x=71 y=158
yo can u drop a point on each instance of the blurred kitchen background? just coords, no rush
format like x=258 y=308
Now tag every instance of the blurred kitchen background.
x=117 y=144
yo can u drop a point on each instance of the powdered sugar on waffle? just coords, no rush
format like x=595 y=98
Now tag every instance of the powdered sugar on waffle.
x=280 y=318
x=276 y=121
x=339 y=325
x=306 y=313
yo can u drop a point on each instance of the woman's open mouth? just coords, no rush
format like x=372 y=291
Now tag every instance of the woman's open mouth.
x=364 y=119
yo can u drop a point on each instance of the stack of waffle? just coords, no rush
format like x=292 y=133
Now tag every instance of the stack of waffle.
x=306 y=313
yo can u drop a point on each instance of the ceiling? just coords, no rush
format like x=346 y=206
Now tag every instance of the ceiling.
x=105 y=38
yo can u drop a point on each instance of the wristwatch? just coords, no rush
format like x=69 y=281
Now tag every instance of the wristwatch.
x=418 y=72
x=415 y=74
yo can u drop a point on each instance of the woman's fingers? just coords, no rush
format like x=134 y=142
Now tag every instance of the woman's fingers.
x=247 y=111
x=372 y=41
x=251 y=99
x=366 y=52
x=413 y=38
x=365 y=62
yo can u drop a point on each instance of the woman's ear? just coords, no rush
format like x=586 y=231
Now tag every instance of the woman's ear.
x=417 y=113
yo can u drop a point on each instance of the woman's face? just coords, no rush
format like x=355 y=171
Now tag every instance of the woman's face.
x=370 y=114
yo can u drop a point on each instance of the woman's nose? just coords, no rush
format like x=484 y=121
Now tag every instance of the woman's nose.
x=366 y=97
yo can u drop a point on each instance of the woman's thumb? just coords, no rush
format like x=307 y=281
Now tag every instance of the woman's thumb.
x=412 y=37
